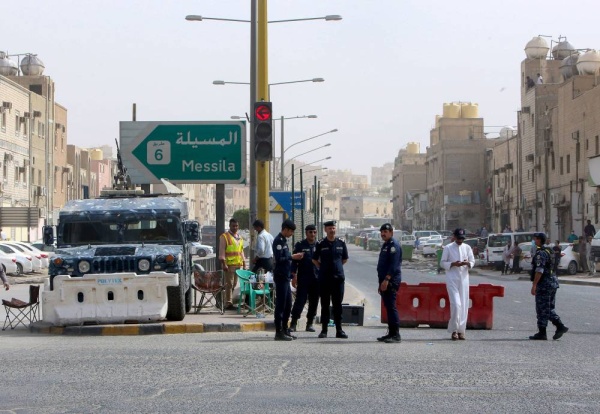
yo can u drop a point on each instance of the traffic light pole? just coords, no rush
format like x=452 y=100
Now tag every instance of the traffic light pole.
x=262 y=168
x=252 y=162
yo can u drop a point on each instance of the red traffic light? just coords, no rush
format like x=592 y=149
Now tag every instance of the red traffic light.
x=262 y=112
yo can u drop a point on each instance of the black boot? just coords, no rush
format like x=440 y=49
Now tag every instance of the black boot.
x=541 y=335
x=560 y=330
x=339 y=333
x=281 y=336
x=309 y=325
x=394 y=337
x=294 y=325
x=323 y=333
x=288 y=331
x=386 y=336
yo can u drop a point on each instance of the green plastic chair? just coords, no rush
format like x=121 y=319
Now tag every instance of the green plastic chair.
x=246 y=290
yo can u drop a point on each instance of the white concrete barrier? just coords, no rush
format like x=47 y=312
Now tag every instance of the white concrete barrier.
x=106 y=298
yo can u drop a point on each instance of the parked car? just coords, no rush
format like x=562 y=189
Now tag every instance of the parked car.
x=49 y=250
x=569 y=257
x=201 y=250
x=34 y=251
x=497 y=241
x=24 y=264
x=9 y=263
x=431 y=246
x=407 y=240
x=36 y=259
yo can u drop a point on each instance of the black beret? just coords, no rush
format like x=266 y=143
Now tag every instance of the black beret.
x=386 y=226
x=310 y=227
x=329 y=223
x=288 y=224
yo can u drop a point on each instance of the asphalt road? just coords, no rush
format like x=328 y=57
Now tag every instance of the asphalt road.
x=493 y=371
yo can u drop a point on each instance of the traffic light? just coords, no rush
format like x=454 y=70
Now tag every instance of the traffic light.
x=263 y=131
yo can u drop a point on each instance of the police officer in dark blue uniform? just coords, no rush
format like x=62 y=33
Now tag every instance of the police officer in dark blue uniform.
x=305 y=277
x=281 y=277
x=544 y=288
x=330 y=256
x=390 y=276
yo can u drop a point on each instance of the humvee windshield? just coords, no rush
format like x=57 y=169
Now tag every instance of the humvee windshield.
x=89 y=229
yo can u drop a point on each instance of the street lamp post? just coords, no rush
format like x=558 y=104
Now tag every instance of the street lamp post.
x=283 y=151
x=258 y=32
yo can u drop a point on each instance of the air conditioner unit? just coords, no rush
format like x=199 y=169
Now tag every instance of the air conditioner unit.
x=499 y=192
x=526 y=109
x=22 y=119
x=555 y=198
x=44 y=191
x=43 y=212
x=7 y=105
x=529 y=157
x=27 y=114
x=37 y=114
x=594 y=198
x=575 y=135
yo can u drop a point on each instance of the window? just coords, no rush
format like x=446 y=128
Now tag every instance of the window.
x=17 y=124
x=577 y=146
x=561 y=166
x=3 y=123
x=553 y=162
x=568 y=163
x=597 y=145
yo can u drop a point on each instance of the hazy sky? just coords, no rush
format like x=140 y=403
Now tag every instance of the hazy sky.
x=388 y=65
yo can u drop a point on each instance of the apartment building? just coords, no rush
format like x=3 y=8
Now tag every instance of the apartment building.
x=408 y=180
x=455 y=169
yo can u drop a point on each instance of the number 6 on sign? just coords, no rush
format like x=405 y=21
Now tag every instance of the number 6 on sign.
x=159 y=152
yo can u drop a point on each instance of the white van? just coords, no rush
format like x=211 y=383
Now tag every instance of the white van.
x=497 y=241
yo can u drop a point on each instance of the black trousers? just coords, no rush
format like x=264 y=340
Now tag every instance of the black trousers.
x=306 y=290
x=283 y=302
x=332 y=291
x=389 y=301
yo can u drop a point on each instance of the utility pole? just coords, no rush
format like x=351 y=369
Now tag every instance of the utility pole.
x=252 y=162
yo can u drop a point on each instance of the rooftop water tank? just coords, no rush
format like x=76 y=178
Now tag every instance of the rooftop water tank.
x=412 y=147
x=562 y=50
x=589 y=62
x=451 y=110
x=537 y=48
x=469 y=110
x=7 y=66
x=568 y=67
x=31 y=65
x=96 y=154
x=507 y=132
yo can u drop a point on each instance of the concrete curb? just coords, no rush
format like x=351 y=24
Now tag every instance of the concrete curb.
x=569 y=281
x=150 y=328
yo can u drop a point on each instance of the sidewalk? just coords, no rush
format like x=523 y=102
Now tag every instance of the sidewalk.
x=231 y=321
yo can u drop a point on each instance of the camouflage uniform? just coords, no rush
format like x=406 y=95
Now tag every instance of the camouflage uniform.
x=545 y=294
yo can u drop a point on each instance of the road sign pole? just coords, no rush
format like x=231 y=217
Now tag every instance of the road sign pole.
x=262 y=168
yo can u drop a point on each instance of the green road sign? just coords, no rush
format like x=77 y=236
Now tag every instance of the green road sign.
x=187 y=152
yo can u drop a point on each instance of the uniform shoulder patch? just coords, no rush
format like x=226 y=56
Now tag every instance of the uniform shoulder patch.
x=279 y=247
x=393 y=249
